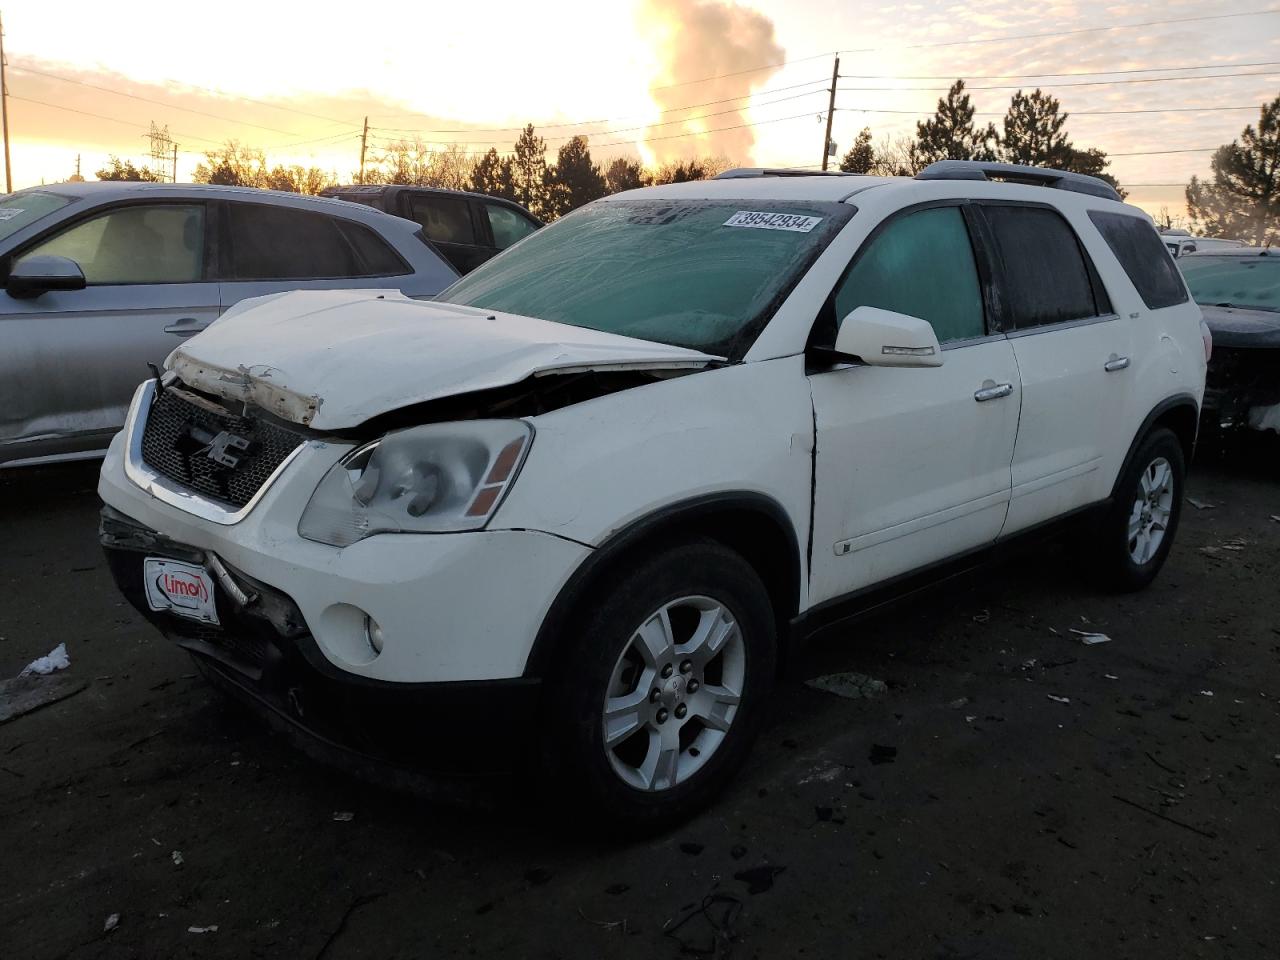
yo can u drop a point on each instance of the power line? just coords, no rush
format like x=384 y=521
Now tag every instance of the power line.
x=168 y=106
x=583 y=123
x=647 y=126
x=100 y=116
x=1073 y=113
x=1034 y=76
x=1051 y=86
x=1069 y=33
x=739 y=73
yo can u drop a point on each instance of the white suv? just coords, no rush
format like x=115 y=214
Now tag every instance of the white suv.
x=587 y=500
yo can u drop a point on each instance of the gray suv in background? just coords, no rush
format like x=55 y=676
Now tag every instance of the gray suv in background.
x=467 y=228
x=97 y=280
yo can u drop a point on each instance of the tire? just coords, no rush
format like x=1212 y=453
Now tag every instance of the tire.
x=669 y=696
x=1132 y=542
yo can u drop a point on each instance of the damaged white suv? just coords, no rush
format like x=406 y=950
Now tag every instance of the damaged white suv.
x=586 y=501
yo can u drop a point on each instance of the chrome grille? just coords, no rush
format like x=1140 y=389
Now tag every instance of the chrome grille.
x=216 y=454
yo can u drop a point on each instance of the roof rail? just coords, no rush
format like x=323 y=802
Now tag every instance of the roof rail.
x=1040 y=176
x=741 y=173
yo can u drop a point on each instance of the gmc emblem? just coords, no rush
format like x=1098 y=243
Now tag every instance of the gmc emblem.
x=220 y=448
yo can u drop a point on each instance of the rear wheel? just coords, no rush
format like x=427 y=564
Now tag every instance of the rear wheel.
x=1135 y=537
x=657 y=699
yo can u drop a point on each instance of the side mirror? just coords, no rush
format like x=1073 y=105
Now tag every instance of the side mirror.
x=32 y=276
x=882 y=338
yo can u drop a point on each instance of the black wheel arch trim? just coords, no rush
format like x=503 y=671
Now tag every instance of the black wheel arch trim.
x=1158 y=411
x=619 y=541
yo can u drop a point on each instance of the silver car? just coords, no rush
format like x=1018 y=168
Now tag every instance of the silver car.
x=101 y=279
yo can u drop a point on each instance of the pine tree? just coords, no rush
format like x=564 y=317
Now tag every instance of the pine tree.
x=1033 y=134
x=951 y=134
x=624 y=174
x=575 y=180
x=861 y=156
x=529 y=172
x=1243 y=199
x=492 y=175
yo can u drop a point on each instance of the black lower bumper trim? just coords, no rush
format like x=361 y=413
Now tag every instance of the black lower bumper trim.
x=264 y=655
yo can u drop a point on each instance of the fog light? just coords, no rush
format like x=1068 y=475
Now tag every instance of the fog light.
x=373 y=633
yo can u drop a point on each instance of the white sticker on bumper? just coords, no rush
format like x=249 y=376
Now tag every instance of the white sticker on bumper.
x=182 y=588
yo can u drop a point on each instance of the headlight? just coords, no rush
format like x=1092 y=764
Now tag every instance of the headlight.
x=438 y=478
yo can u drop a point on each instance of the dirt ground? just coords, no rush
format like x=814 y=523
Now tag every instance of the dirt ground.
x=1046 y=798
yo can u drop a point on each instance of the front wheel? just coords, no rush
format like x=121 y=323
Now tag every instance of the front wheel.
x=1135 y=537
x=659 y=694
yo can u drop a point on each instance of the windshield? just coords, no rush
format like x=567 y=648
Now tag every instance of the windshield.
x=704 y=274
x=17 y=210
x=1249 y=282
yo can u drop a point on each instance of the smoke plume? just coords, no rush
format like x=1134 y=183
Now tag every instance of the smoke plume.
x=707 y=38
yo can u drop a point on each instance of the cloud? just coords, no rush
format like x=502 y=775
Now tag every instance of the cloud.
x=707 y=38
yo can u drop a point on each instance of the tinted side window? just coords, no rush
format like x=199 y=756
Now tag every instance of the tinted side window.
x=507 y=225
x=135 y=244
x=921 y=265
x=1045 y=276
x=1144 y=257
x=375 y=254
x=279 y=243
x=446 y=219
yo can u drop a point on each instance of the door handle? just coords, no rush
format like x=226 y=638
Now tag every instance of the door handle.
x=993 y=392
x=185 y=327
x=1115 y=363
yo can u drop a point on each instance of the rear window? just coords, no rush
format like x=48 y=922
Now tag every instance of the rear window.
x=1046 y=279
x=1144 y=257
x=1252 y=283
x=705 y=274
x=281 y=243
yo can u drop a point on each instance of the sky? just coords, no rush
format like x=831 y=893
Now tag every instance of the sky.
x=653 y=79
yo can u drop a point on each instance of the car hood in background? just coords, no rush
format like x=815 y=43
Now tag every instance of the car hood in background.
x=332 y=359
x=1236 y=327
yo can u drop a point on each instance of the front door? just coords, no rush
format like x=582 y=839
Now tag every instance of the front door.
x=72 y=359
x=912 y=465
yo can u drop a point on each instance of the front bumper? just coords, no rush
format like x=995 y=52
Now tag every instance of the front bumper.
x=451 y=607
x=262 y=653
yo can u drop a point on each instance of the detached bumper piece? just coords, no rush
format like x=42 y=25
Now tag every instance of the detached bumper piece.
x=262 y=652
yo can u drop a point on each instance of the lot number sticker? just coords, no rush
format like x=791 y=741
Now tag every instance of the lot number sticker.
x=8 y=213
x=773 y=221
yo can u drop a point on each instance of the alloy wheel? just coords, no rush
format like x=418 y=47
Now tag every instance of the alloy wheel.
x=1152 y=509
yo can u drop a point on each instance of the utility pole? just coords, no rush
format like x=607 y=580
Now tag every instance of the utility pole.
x=363 y=140
x=4 y=114
x=175 y=163
x=831 y=109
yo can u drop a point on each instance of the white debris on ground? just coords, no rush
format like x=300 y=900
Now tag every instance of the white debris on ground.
x=1201 y=504
x=1058 y=699
x=177 y=857
x=1089 y=639
x=113 y=921
x=851 y=686
x=213 y=928
x=55 y=659
x=343 y=816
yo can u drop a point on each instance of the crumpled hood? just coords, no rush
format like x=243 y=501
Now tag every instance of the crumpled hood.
x=1237 y=327
x=332 y=359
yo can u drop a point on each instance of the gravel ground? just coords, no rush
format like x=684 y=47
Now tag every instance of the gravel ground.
x=1012 y=794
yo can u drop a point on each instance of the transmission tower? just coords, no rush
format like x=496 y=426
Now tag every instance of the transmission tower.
x=163 y=149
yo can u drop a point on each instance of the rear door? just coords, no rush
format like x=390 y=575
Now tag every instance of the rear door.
x=1074 y=360
x=267 y=248
x=73 y=358
x=450 y=224
x=912 y=465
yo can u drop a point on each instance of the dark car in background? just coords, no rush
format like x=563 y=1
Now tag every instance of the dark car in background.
x=1239 y=294
x=467 y=228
